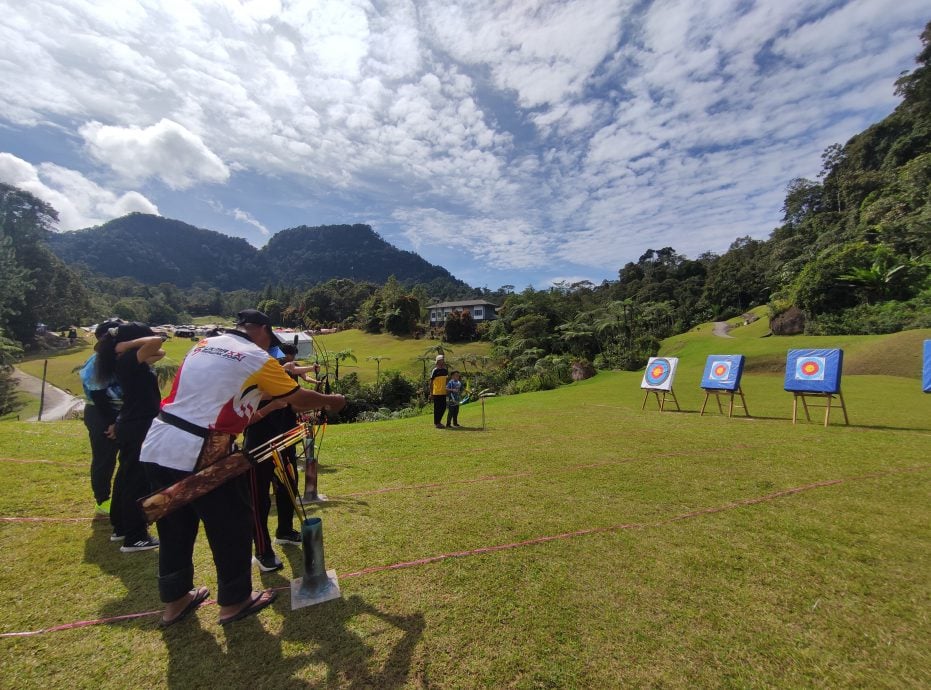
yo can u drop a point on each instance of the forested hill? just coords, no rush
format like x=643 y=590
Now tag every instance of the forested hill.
x=306 y=255
x=154 y=250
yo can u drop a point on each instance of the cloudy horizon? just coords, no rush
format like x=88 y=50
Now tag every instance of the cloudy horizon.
x=512 y=143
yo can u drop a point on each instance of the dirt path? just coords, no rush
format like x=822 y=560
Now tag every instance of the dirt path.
x=721 y=329
x=58 y=403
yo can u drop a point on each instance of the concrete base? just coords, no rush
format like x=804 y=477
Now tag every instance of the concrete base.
x=301 y=597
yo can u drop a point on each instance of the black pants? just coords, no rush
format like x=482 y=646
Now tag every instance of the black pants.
x=103 y=453
x=227 y=517
x=439 y=407
x=261 y=478
x=130 y=484
x=452 y=416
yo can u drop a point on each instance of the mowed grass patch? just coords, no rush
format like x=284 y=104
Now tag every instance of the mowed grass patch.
x=704 y=573
x=401 y=354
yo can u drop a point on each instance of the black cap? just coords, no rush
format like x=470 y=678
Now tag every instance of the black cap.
x=258 y=318
x=253 y=316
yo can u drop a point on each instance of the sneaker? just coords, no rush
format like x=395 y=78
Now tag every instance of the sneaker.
x=142 y=545
x=117 y=537
x=268 y=562
x=290 y=537
x=440 y=426
x=103 y=508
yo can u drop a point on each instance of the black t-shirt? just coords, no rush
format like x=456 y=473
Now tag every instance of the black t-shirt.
x=141 y=396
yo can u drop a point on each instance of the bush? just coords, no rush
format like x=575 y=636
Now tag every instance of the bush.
x=875 y=319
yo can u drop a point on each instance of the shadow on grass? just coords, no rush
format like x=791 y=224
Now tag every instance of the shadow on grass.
x=321 y=635
x=136 y=570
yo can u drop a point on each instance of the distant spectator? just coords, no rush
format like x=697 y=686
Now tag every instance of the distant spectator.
x=453 y=397
x=438 y=390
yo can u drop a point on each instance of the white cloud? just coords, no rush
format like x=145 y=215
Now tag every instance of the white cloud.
x=247 y=217
x=578 y=131
x=80 y=202
x=165 y=150
x=501 y=243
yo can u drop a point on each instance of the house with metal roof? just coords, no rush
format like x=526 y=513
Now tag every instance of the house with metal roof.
x=479 y=309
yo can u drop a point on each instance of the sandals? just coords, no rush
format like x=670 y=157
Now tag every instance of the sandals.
x=256 y=603
x=200 y=595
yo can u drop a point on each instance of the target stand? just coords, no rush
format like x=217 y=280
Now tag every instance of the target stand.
x=657 y=379
x=829 y=397
x=732 y=402
x=661 y=399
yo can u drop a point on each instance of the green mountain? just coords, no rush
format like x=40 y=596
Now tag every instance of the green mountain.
x=154 y=250
x=306 y=255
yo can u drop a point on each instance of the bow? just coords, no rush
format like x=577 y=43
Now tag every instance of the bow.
x=316 y=423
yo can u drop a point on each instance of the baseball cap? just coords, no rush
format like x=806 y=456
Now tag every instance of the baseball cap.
x=258 y=318
x=253 y=316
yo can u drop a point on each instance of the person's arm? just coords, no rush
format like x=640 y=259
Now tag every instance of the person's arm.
x=296 y=370
x=267 y=409
x=304 y=399
x=148 y=349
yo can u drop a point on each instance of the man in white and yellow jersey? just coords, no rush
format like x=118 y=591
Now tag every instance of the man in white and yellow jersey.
x=216 y=391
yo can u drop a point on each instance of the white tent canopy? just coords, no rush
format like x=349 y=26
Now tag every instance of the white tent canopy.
x=303 y=341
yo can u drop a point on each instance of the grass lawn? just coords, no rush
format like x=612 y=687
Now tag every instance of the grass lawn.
x=401 y=353
x=591 y=545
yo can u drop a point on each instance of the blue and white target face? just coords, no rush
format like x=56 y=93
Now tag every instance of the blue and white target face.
x=659 y=373
x=722 y=372
x=809 y=369
x=814 y=371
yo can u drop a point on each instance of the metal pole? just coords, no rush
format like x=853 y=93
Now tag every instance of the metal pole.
x=42 y=393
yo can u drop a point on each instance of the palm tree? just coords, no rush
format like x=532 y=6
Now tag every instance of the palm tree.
x=378 y=359
x=439 y=349
x=341 y=356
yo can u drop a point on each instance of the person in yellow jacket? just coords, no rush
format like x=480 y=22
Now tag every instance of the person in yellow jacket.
x=438 y=390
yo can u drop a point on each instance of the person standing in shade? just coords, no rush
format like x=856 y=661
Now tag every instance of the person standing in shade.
x=101 y=405
x=438 y=390
x=214 y=395
x=454 y=395
x=273 y=417
x=127 y=352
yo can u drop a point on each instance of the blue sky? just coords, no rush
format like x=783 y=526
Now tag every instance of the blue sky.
x=513 y=143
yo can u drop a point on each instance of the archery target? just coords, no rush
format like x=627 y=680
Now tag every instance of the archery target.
x=814 y=371
x=926 y=370
x=659 y=373
x=722 y=372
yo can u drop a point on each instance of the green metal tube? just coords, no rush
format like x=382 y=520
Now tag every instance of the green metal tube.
x=314 y=564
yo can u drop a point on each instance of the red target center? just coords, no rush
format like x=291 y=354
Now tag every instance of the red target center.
x=657 y=372
x=720 y=370
x=810 y=368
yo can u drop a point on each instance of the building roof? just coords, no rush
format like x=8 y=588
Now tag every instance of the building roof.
x=465 y=303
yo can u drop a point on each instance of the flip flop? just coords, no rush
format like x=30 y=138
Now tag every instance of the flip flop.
x=200 y=595
x=256 y=604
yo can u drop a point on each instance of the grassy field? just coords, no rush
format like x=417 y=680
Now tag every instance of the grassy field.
x=576 y=542
x=401 y=353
